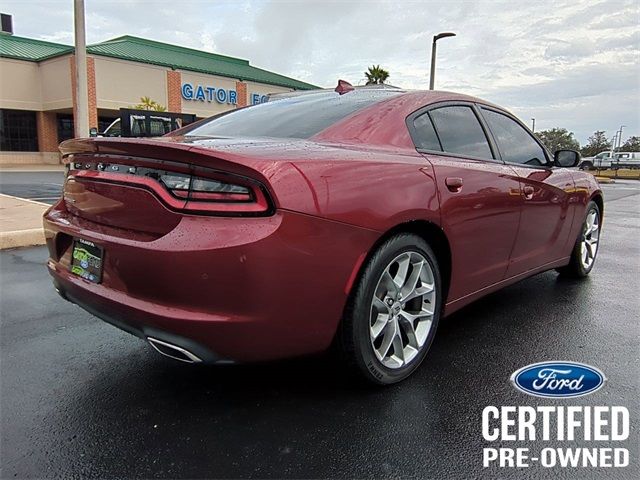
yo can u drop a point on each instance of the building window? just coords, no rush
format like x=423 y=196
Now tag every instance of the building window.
x=65 y=127
x=104 y=122
x=18 y=131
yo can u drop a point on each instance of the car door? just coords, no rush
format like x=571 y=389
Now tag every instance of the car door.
x=479 y=195
x=547 y=213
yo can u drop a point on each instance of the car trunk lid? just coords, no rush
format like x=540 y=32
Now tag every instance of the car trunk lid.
x=135 y=184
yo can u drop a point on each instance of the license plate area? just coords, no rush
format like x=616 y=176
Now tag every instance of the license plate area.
x=86 y=260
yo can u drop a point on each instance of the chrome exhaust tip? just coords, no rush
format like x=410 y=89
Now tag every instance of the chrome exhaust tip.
x=173 y=351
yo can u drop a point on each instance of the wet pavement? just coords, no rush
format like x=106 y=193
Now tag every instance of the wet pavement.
x=80 y=398
x=40 y=186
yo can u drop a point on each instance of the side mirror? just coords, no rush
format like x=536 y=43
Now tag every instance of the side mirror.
x=566 y=158
x=93 y=132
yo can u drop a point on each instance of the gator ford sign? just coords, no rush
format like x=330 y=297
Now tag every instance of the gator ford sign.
x=257 y=98
x=208 y=93
x=558 y=379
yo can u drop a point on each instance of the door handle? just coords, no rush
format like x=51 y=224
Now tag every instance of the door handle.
x=528 y=192
x=454 y=184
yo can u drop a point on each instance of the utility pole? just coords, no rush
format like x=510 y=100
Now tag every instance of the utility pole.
x=81 y=113
x=432 y=79
x=533 y=125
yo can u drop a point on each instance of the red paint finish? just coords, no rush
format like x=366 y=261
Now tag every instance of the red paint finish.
x=480 y=219
x=546 y=218
x=108 y=204
x=270 y=278
x=239 y=287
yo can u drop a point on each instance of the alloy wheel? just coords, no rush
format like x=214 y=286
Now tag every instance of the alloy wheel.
x=590 y=239
x=402 y=310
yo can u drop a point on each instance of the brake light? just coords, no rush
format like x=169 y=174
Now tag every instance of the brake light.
x=202 y=189
x=222 y=194
x=205 y=191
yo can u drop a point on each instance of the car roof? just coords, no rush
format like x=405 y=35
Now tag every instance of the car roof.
x=422 y=97
x=379 y=124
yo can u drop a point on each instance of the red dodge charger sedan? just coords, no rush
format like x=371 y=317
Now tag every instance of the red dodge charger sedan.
x=355 y=217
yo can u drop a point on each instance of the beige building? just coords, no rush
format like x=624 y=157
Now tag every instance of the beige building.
x=37 y=91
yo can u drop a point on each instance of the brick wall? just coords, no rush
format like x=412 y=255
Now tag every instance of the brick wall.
x=241 y=89
x=72 y=67
x=47 y=131
x=91 y=87
x=174 y=97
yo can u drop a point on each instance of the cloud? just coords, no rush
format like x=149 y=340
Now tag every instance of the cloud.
x=568 y=51
x=572 y=64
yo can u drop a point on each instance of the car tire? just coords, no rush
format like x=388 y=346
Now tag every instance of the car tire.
x=587 y=244
x=412 y=327
x=586 y=166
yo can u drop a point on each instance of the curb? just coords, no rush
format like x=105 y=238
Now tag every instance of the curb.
x=27 y=237
x=28 y=200
x=604 y=180
x=22 y=238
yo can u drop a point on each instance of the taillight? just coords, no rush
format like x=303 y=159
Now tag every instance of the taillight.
x=204 y=191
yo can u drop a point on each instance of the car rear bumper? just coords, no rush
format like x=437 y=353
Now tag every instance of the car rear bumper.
x=226 y=289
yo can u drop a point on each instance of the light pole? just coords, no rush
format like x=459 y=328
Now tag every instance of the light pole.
x=432 y=79
x=614 y=141
x=620 y=137
x=81 y=113
x=533 y=125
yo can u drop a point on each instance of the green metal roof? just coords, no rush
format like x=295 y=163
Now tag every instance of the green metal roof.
x=155 y=53
x=158 y=53
x=30 y=49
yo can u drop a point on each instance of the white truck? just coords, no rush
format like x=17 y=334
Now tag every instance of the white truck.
x=601 y=160
x=611 y=160
x=626 y=160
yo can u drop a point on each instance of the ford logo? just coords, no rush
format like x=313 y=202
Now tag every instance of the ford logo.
x=558 y=379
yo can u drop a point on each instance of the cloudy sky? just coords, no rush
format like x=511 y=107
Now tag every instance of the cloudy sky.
x=572 y=64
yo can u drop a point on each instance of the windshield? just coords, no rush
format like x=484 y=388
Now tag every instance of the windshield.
x=296 y=117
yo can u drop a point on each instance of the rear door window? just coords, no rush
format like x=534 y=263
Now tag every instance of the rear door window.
x=515 y=143
x=460 y=131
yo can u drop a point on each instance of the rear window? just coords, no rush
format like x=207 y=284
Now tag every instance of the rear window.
x=295 y=117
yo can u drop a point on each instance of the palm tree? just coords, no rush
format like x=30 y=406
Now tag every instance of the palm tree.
x=376 y=75
x=147 y=104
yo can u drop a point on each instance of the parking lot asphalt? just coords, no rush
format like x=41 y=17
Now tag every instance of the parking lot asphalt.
x=79 y=398
x=40 y=186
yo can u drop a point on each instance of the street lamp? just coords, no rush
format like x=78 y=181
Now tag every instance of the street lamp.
x=437 y=37
x=620 y=137
x=533 y=124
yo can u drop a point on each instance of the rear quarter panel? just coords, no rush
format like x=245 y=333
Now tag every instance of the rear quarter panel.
x=377 y=193
x=369 y=187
